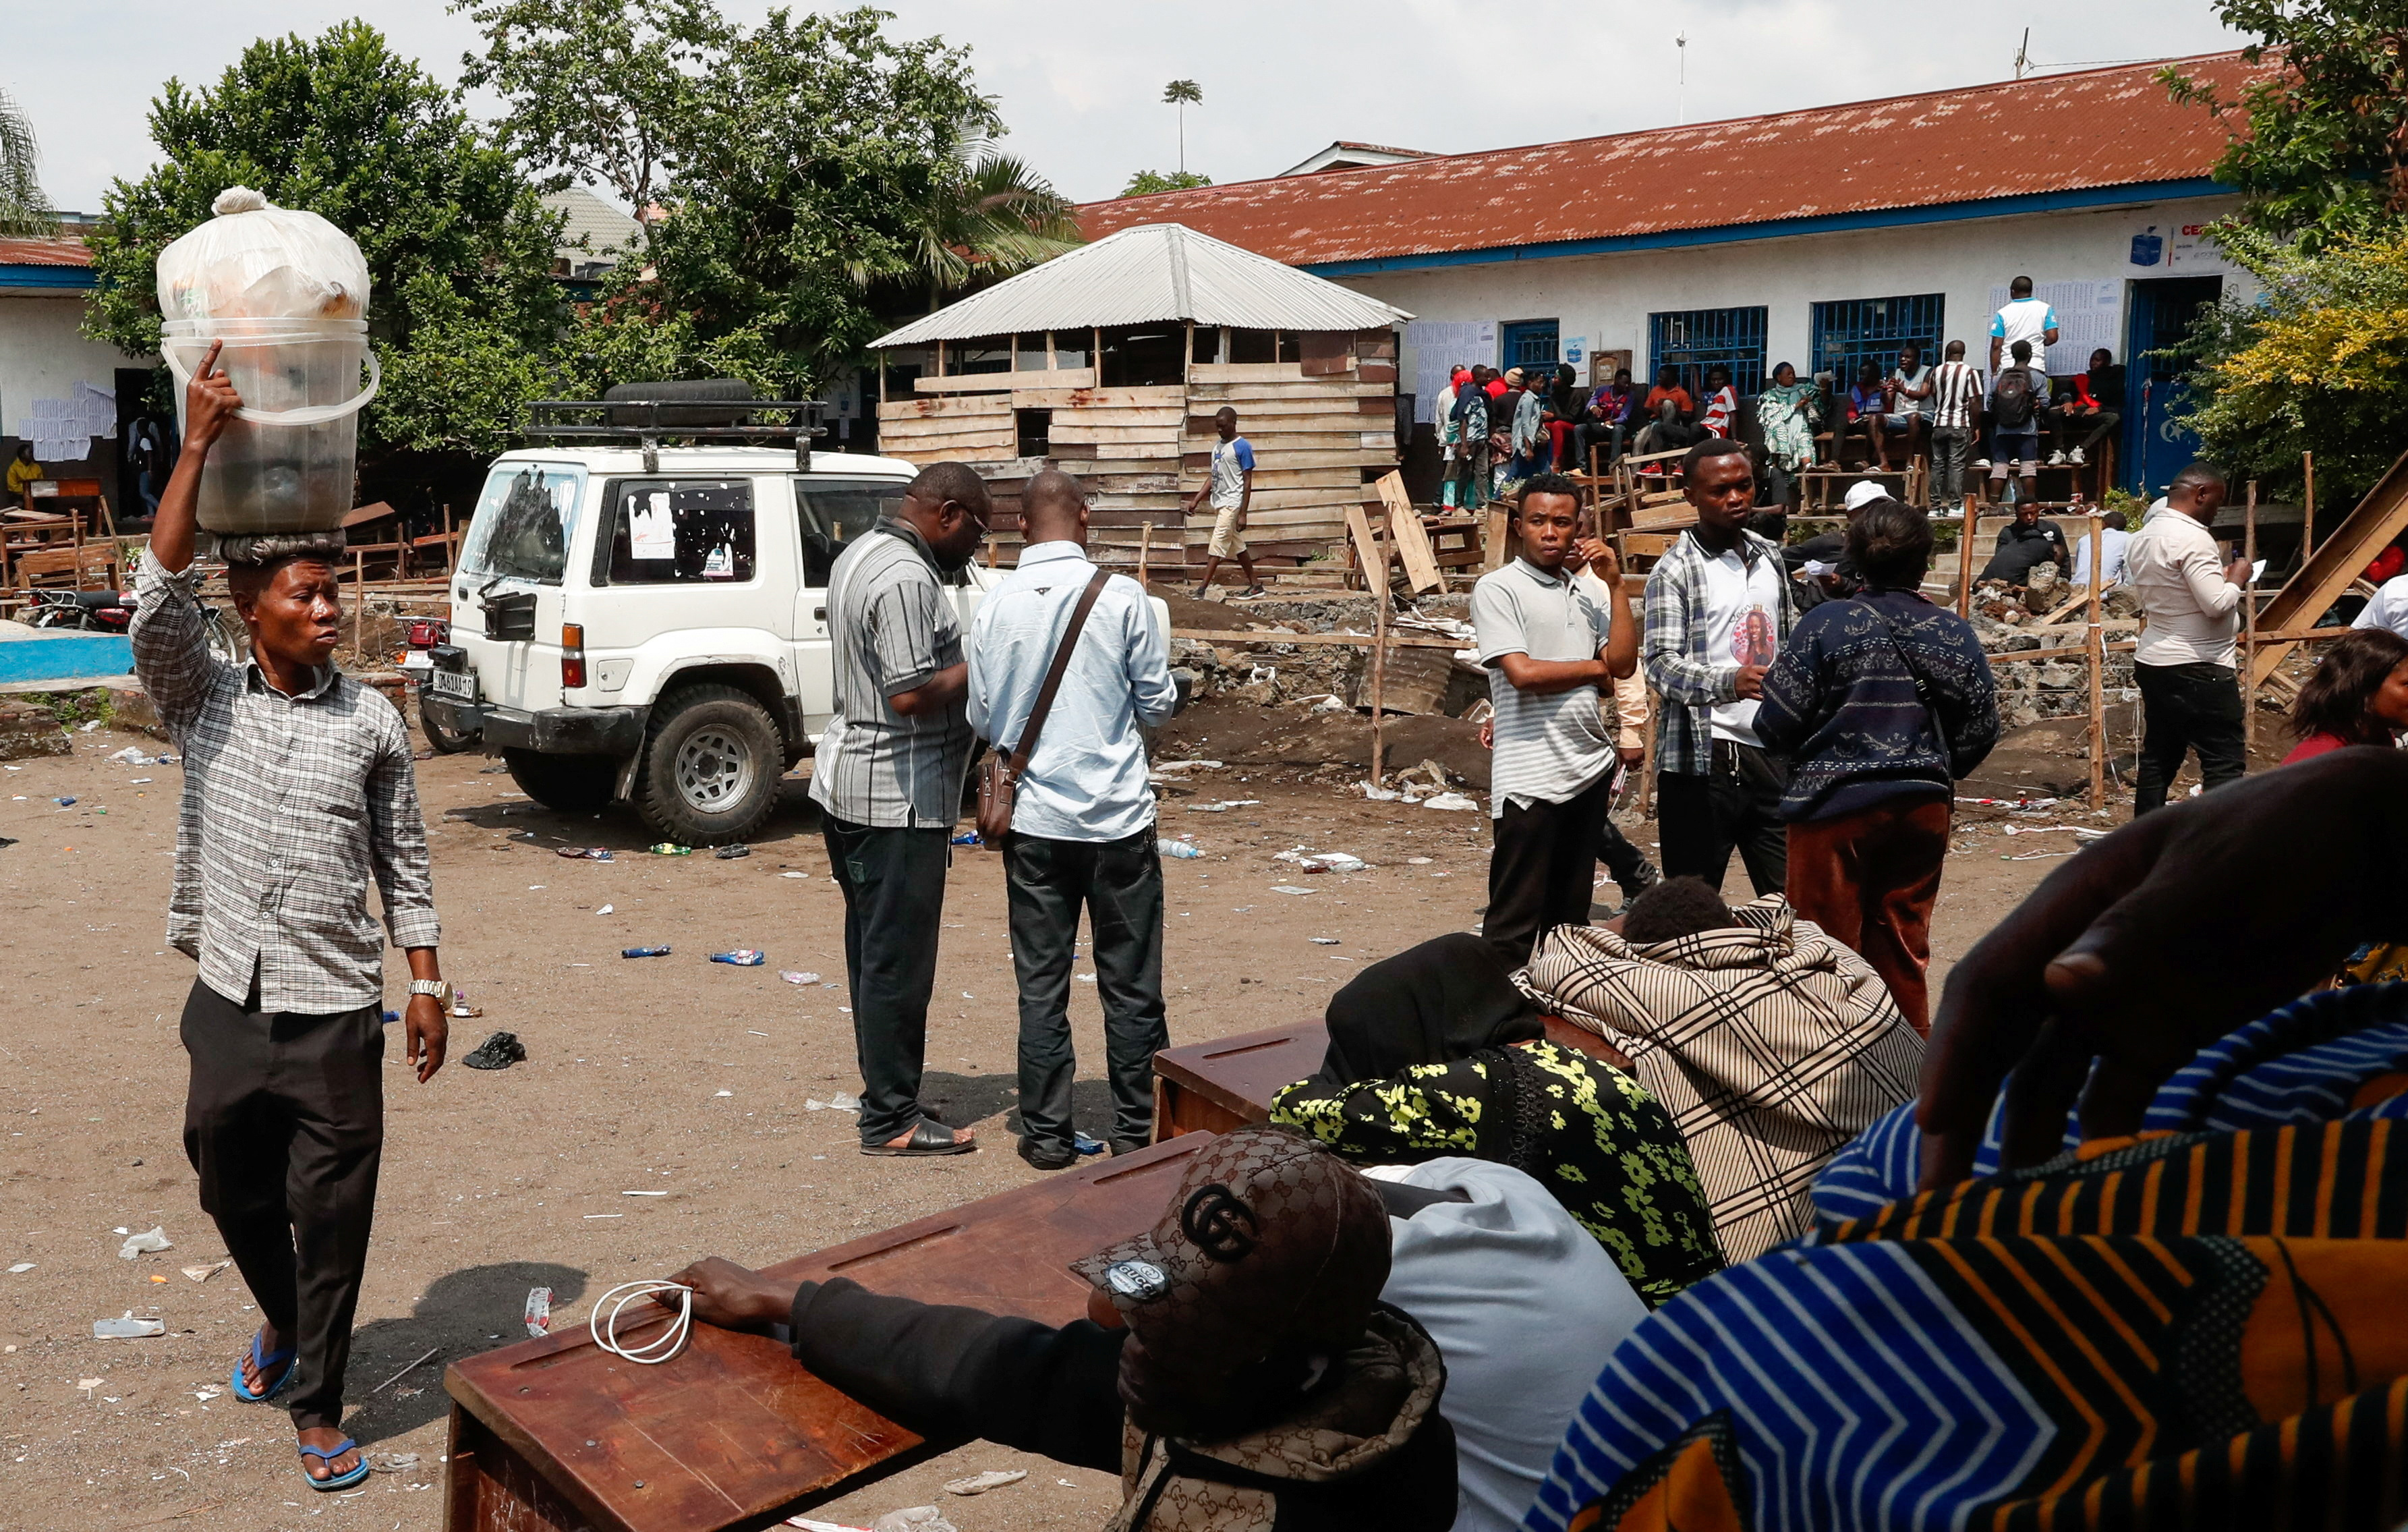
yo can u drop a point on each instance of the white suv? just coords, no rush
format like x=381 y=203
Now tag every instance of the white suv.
x=656 y=631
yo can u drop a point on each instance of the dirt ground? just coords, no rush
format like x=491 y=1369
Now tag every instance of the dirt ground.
x=668 y=1075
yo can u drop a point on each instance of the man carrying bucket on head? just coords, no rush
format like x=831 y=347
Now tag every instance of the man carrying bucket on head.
x=299 y=790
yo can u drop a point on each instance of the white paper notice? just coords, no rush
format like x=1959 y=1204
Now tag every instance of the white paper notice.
x=1437 y=346
x=719 y=564
x=651 y=533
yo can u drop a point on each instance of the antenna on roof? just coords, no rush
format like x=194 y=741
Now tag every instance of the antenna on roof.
x=1680 y=102
x=2023 y=55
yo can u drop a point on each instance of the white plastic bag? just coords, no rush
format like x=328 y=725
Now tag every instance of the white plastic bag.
x=256 y=259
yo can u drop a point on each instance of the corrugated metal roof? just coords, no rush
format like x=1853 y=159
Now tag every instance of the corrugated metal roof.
x=1145 y=275
x=2048 y=134
x=44 y=252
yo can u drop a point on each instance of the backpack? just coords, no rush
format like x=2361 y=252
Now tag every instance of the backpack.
x=2010 y=406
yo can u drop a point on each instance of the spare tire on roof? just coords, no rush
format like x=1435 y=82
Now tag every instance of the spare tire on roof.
x=692 y=397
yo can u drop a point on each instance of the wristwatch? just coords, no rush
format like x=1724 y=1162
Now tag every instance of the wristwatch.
x=440 y=988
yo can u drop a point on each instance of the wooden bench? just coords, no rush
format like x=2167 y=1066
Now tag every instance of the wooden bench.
x=556 y=1434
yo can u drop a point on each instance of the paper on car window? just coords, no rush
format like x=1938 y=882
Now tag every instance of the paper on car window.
x=650 y=532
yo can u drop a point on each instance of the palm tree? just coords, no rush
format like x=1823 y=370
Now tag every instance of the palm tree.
x=1179 y=93
x=989 y=214
x=23 y=210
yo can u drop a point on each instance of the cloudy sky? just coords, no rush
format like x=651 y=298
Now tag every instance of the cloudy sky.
x=1081 y=81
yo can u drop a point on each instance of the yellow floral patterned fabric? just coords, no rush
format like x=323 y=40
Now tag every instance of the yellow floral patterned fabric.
x=1584 y=1129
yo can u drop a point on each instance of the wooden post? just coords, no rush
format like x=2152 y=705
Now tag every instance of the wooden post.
x=2308 y=529
x=1965 y=557
x=2249 y=627
x=452 y=541
x=1378 y=656
x=940 y=359
x=1144 y=548
x=1647 y=754
x=2094 y=659
x=359 y=605
x=882 y=399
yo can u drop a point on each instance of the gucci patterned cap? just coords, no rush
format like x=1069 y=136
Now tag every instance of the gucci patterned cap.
x=1270 y=1242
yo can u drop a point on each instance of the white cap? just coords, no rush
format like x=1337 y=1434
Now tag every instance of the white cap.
x=1863 y=492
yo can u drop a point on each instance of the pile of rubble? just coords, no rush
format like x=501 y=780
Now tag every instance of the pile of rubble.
x=2008 y=618
x=1419 y=679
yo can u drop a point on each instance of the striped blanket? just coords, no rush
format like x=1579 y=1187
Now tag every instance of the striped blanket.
x=2195 y=1328
x=1770 y=1045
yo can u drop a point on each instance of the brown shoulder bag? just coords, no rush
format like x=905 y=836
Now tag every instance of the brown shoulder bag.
x=1000 y=772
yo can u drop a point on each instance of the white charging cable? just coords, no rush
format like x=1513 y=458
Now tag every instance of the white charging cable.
x=603 y=1323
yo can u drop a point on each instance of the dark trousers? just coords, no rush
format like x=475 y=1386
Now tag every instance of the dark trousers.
x=1735 y=807
x=1869 y=880
x=2091 y=427
x=284 y=1121
x=1950 y=447
x=1587 y=434
x=2186 y=707
x=893 y=883
x=1119 y=883
x=1543 y=869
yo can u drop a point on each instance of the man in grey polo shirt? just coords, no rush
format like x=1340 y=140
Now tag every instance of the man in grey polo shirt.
x=888 y=782
x=1554 y=652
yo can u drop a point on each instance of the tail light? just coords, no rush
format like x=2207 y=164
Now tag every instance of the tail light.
x=572 y=654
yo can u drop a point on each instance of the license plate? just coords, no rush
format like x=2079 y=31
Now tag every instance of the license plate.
x=456 y=685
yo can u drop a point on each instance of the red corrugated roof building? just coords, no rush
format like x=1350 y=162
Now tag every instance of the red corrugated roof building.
x=2053 y=141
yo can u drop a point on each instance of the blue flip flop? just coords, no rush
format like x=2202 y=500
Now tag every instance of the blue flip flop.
x=263 y=1364
x=328 y=1455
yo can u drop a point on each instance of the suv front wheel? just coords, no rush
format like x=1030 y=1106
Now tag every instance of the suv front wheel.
x=711 y=765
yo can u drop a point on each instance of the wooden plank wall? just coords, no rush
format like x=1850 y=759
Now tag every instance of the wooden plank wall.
x=1323 y=429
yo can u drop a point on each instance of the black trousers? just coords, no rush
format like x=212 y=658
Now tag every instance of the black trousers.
x=1543 y=869
x=284 y=1121
x=1119 y=885
x=2092 y=427
x=893 y=883
x=2186 y=707
x=1735 y=807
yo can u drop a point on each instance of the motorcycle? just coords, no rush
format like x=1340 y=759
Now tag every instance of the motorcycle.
x=112 y=611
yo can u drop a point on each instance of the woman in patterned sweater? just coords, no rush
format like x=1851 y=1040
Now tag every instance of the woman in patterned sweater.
x=1434 y=1052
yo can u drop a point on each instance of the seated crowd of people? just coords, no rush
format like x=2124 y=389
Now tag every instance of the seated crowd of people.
x=2007 y=421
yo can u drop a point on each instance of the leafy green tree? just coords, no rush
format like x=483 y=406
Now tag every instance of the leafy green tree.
x=1182 y=93
x=1146 y=182
x=2319 y=144
x=23 y=210
x=459 y=246
x=2318 y=363
x=811 y=173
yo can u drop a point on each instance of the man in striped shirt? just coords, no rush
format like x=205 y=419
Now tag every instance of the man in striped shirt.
x=1955 y=423
x=1553 y=651
x=888 y=779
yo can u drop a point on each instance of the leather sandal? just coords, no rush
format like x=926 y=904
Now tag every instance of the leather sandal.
x=928 y=1139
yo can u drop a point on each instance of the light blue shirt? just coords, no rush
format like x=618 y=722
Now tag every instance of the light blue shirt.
x=1087 y=780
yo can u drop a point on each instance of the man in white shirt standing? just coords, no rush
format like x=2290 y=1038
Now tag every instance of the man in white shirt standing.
x=1083 y=815
x=2024 y=318
x=2114 y=544
x=2190 y=696
x=1718 y=609
x=1553 y=652
x=1956 y=424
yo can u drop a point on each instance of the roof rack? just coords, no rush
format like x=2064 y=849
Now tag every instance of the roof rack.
x=645 y=422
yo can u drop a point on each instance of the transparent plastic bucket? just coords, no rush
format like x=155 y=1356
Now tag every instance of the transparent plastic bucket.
x=285 y=463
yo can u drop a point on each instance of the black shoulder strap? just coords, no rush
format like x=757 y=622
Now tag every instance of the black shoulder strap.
x=1053 y=673
x=1922 y=688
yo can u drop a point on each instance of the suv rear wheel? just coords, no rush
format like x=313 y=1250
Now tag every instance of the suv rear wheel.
x=566 y=784
x=711 y=763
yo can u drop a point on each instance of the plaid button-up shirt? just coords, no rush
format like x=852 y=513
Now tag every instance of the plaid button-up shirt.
x=1673 y=650
x=291 y=806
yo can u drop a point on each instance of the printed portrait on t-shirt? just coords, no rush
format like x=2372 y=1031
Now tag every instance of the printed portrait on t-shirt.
x=1752 y=638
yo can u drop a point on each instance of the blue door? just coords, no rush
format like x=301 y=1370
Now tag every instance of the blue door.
x=2158 y=443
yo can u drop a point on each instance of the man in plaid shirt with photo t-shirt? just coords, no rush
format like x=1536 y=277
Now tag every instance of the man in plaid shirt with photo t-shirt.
x=299 y=794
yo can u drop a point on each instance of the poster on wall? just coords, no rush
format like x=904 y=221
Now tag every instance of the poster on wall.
x=2089 y=315
x=2177 y=250
x=1437 y=346
x=1573 y=354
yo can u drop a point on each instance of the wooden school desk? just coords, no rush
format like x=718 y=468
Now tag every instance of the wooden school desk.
x=556 y=1434
x=1213 y=1087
